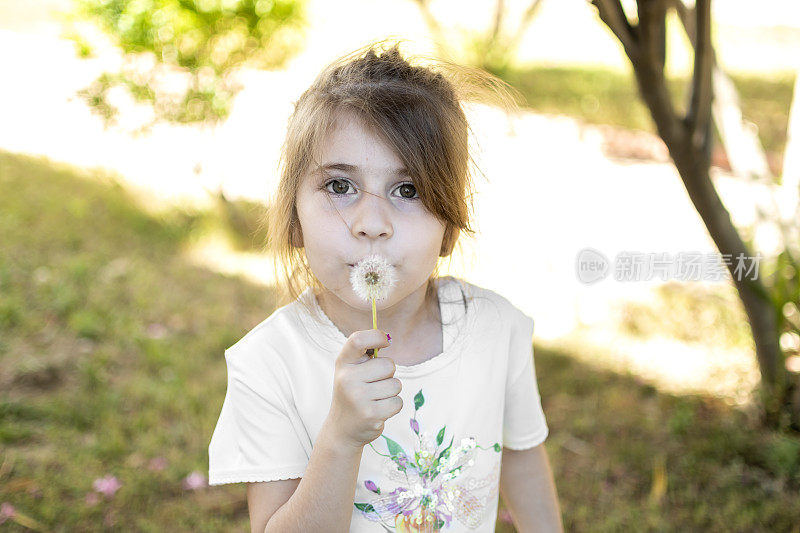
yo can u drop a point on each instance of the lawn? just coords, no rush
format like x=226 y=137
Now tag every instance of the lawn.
x=111 y=364
x=603 y=96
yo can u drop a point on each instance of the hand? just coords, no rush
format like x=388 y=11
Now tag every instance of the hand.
x=365 y=391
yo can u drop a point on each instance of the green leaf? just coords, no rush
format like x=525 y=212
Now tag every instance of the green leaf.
x=440 y=436
x=443 y=455
x=497 y=447
x=433 y=467
x=446 y=452
x=366 y=507
x=419 y=399
x=394 y=448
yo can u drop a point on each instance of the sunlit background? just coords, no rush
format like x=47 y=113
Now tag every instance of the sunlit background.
x=570 y=171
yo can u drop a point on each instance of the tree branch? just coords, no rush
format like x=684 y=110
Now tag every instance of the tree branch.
x=499 y=11
x=435 y=28
x=649 y=74
x=613 y=15
x=698 y=116
x=524 y=23
x=652 y=30
x=686 y=15
x=689 y=142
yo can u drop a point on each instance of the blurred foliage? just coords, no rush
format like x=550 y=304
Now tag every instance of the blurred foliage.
x=780 y=277
x=489 y=52
x=604 y=96
x=493 y=49
x=181 y=55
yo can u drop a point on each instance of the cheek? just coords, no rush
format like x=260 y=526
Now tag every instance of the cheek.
x=319 y=220
x=424 y=235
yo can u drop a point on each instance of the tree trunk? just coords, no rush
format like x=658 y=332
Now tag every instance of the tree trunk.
x=761 y=314
x=688 y=140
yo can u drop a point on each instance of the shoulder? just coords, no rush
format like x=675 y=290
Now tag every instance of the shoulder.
x=485 y=300
x=266 y=342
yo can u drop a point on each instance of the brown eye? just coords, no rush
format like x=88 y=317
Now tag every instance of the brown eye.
x=408 y=191
x=339 y=186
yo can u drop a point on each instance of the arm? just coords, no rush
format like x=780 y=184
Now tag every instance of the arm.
x=365 y=395
x=266 y=497
x=322 y=500
x=528 y=490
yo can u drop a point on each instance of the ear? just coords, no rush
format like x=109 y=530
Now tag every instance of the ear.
x=449 y=240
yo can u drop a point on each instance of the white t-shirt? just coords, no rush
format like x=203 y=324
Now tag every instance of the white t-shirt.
x=438 y=459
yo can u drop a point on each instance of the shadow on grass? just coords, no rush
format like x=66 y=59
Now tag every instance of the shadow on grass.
x=111 y=346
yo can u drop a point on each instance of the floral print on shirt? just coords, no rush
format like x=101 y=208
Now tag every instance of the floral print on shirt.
x=427 y=496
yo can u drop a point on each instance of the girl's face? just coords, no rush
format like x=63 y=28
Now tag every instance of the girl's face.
x=359 y=202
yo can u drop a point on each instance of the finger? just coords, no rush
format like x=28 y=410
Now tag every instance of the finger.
x=373 y=352
x=357 y=344
x=385 y=388
x=377 y=369
x=389 y=407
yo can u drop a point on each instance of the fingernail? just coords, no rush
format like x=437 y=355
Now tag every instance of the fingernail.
x=389 y=338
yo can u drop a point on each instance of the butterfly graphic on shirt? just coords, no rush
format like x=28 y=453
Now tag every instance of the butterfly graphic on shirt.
x=431 y=489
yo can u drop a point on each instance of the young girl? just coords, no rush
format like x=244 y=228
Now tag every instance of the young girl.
x=425 y=435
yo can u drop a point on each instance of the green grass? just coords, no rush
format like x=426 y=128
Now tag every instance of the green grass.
x=692 y=313
x=86 y=391
x=722 y=474
x=604 y=96
x=88 y=387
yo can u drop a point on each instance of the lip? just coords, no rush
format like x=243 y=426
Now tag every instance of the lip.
x=352 y=265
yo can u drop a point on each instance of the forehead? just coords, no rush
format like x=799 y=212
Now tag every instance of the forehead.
x=351 y=141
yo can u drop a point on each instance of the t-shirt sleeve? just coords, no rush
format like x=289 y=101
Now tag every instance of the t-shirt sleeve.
x=524 y=424
x=256 y=437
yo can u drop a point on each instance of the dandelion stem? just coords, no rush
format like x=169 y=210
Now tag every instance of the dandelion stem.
x=374 y=325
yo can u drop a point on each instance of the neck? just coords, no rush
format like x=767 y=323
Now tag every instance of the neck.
x=400 y=320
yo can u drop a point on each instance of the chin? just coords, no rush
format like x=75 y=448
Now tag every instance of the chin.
x=366 y=305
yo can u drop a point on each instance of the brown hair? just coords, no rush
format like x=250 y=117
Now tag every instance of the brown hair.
x=417 y=110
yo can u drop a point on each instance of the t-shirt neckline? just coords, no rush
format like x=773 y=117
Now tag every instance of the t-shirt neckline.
x=451 y=309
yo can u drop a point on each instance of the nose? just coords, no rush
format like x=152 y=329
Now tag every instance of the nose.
x=372 y=218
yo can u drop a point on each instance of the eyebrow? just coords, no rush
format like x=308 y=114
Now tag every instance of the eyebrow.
x=402 y=171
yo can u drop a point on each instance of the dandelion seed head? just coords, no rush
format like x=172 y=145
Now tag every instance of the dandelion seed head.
x=372 y=277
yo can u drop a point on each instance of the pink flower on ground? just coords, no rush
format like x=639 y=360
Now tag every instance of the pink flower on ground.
x=6 y=511
x=91 y=498
x=505 y=516
x=107 y=485
x=194 y=481
x=156 y=331
x=157 y=463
